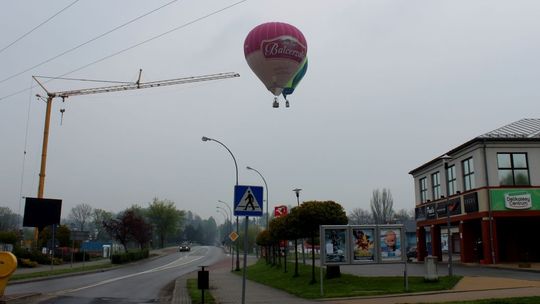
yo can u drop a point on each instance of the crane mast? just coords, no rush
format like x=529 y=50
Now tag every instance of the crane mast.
x=107 y=89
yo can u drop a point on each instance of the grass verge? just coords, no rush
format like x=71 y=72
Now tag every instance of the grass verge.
x=196 y=295
x=345 y=286
x=33 y=275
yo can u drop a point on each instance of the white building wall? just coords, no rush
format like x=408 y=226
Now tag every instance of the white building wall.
x=477 y=152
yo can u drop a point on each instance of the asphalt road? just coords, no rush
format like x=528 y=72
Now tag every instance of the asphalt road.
x=137 y=283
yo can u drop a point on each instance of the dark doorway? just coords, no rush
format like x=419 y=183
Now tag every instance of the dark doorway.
x=517 y=239
x=471 y=251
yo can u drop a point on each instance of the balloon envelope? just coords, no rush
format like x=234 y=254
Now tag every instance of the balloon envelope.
x=275 y=51
x=291 y=85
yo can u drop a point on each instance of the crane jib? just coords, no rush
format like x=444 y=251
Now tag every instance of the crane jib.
x=144 y=85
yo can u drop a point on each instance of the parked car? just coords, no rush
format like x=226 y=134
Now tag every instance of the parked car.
x=184 y=247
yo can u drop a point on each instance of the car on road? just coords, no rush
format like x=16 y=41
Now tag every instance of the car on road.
x=184 y=247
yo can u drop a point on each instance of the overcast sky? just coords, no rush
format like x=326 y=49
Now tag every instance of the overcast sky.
x=390 y=86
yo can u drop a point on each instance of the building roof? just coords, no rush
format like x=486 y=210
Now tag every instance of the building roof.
x=523 y=129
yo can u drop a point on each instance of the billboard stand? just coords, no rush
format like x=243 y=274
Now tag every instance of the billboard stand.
x=363 y=244
x=321 y=277
x=406 y=277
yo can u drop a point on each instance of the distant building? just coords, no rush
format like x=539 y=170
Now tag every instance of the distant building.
x=489 y=190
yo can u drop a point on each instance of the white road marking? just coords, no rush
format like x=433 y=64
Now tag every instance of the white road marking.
x=173 y=264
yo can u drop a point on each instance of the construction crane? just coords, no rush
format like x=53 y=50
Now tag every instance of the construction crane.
x=116 y=88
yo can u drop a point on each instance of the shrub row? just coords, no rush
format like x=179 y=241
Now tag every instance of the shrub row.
x=26 y=263
x=122 y=258
x=36 y=256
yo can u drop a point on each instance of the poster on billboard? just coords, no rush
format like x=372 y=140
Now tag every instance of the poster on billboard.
x=335 y=248
x=363 y=244
x=390 y=240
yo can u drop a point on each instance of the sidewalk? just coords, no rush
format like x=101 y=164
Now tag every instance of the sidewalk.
x=226 y=288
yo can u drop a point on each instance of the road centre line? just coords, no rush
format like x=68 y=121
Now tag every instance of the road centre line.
x=160 y=268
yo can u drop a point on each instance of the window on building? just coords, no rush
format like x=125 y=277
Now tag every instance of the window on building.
x=513 y=169
x=436 y=185
x=423 y=190
x=451 y=180
x=468 y=174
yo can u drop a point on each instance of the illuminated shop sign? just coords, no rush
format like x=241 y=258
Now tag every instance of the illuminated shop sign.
x=515 y=199
x=518 y=200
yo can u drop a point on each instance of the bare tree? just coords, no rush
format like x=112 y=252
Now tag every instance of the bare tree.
x=360 y=216
x=404 y=215
x=80 y=215
x=9 y=221
x=382 y=206
x=98 y=217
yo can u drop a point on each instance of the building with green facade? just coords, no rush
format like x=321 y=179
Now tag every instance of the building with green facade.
x=486 y=193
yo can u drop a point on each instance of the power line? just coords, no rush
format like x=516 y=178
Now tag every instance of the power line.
x=87 y=42
x=135 y=45
x=38 y=26
x=85 y=80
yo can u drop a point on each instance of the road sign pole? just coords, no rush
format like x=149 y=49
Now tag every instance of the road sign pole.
x=248 y=201
x=245 y=259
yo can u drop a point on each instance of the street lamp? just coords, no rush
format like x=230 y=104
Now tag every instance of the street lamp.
x=230 y=229
x=225 y=217
x=266 y=186
x=204 y=138
x=297 y=191
x=446 y=158
x=223 y=211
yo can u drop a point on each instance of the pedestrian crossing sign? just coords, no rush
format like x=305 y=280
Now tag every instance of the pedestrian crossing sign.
x=248 y=200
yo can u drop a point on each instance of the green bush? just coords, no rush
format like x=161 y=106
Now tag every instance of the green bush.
x=26 y=263
x=36 y=256
x=79 y=256
x=8 y=237
x=121 y=258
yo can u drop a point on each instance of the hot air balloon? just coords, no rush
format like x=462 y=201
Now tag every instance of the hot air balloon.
x=291 y=85
x=275 y=52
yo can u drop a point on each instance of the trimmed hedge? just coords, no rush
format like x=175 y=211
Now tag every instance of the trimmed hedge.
x=34 y=255
x=122 y=258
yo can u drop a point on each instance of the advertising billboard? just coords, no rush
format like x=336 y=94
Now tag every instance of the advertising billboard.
x=335 y=243
x=362 y=244
x=390 y=240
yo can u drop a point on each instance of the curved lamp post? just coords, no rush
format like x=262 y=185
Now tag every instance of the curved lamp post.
x=266 y=186
x=446 y=159
x=230 y=226
x=225 y=217
x=204 y=138
x=297 y=192
x=224 y=212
